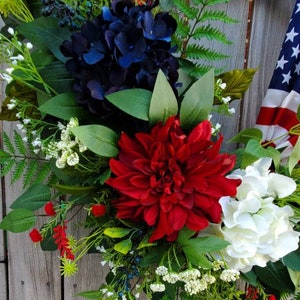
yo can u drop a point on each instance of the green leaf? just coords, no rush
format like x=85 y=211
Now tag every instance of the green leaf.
x=19 y=143
x=99 y=139
x=144 y=243
x=247 y=134
x=45 y=33
x=74 y=189
x=124 y=246
x=134 y=102
x=90 y=294
x=18 y=220
x=116 y=232
x=34 y=198
x=276 y=276
x=216 y=15
x=195 y=51
x=237 y=82
x=211 y=33
x=63 y=106
x=198 y=101
x=292 y=260
x=206 y=244
x=294 y=157
x=197 y=259
x=250 y=277
x=252 y=153
x=18 y=170
x=163 y=101
x=48 y=242
x=184 y=234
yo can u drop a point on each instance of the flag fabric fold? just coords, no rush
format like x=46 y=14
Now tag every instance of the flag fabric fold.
x=278 y=113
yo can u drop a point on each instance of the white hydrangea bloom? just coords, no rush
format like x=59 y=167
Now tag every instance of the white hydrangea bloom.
x=258 y=230
x=230 y=275
x=161 y=270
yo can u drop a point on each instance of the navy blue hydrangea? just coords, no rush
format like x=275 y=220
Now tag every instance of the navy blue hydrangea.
x=124 y=47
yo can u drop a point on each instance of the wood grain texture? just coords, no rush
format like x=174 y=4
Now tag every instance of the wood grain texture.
x=33 y=274
x=3 y=283
x=269 y=25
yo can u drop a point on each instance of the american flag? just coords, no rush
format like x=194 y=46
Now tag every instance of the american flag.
x=279 y=107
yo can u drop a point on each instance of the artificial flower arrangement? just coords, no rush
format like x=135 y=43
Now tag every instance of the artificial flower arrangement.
x=113 y=111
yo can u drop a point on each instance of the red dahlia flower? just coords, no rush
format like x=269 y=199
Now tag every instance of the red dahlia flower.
x=170 y=179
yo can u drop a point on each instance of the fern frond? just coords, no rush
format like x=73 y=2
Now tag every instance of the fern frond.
x=290 y=296
x=182 y=28
x=7 y=166
x=43 y=172
x=216 y=15
x=29 y=174
x=19 y=143
x=210 y=2
x=184 y=7
x=18 y=170
x=200 y=52
x=210 y=33
x=8 y=144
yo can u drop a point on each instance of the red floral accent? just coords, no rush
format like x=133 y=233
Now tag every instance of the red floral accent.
x=252 y=293
x=98 y=210
x=35 y=236
x=62 y=241
x=271 y=297
x=170 y=179
x=49 y=209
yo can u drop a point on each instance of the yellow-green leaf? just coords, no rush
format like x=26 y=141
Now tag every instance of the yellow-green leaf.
x=116 y=232
x=124 y=246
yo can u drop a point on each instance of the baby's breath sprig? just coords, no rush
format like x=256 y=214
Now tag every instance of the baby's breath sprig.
x=21 y=66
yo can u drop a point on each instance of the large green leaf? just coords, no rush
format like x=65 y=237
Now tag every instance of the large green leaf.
x=294 y=157
x=116 y=232
x=93 y=294
x=245 y=135
x=34 y=198
x=18 y=220
x=276 y=276
x=237 y=82
x=124 y=246
x=99 y=139
x=63 y=106
x=292 y=260
x=46 y=34
x=198 y=101
x=134 y=102
x=163 y=102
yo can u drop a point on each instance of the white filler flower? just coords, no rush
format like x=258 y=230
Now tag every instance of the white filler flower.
x=257 y=229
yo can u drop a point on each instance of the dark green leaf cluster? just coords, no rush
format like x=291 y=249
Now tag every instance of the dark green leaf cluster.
x=195 y=21
x=18 y=159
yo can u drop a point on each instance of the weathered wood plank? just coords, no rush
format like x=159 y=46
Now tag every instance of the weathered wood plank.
x=269 y=25
x=33 y=274
x=90 y=273
x=3 y=283
x=236 y=33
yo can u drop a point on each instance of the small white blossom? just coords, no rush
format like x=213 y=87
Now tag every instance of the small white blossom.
x=231 y=110
x=229 y=275
x=6 y=77
x=73 y=159
x=11 y=106
x=226 y=99
x=161 y=270
x=18 y=115
x=26 y=121
x=218 y=265
x=19 y=57
x=36 y=151
x=20 y=126
x=60 y=163
x=36 y=143
x=193 y=287
x=171 y=277
x=25 y=139
x=157 y=287
x=61 y=126
x=190 y=274
x=11 y=31
x=210 y=279
x=29 y=46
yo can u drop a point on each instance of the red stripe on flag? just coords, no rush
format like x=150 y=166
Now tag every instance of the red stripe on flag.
x=277 y=116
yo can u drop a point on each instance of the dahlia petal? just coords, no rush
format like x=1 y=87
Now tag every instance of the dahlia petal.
x=200 y=132
x=196 y=222
x=143 y=165
x=118 y=168
x=140 y=181
x=151 y=214
x=177 y=217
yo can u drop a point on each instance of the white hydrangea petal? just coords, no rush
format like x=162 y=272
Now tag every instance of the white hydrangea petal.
x=281 y=185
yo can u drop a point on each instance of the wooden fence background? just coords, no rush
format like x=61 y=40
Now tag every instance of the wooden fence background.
x=28 y=273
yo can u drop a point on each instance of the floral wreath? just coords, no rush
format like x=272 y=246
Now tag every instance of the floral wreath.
x=114 y=111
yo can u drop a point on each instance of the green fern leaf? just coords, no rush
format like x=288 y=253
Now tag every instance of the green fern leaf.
x=211 y=2
x=30 y=172
x=18 y=170
x=7 y=166
x=4 y=156
x=8 y=144
x=216 y=15
x=19 y=143
x=43 y=172
x=184 y=7
x=200 y=70
x=182 y=28
x=210 y=33
x=200 y=52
